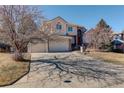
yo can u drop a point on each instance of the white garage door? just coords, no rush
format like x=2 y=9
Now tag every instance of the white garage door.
x=60 y=45
x=37 y=48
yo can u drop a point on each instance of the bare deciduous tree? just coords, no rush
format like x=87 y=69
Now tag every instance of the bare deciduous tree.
x=101 y=36
x=19 y=22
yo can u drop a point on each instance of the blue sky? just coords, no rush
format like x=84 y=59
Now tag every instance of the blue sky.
x=87 y=16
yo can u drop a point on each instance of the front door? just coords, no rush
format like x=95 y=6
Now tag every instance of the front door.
x=79 y=37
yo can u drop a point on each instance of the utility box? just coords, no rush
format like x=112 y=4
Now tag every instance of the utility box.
x=81 y=49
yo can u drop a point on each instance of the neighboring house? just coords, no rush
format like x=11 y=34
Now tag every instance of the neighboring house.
x=118 y=36
x=5 y=47
x=95 y=38
x=88 y=37
x=4 y=44
x=118 y=42
x=68 y=37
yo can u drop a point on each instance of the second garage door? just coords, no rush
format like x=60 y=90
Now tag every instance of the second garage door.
x=59 y=45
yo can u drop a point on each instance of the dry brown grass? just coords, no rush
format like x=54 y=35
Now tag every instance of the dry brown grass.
x=108 y=56
x=11 y=70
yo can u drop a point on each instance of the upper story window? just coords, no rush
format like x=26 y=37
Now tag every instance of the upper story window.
x=70 y=29
x=58 y=26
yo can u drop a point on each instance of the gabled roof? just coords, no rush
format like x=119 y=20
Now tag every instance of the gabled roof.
x=74 y=25
x=90 y=31
x=64 y=21
x=56 y=18
x=118 y=41
x=59 y=18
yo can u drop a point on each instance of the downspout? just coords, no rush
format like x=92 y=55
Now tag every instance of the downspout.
x=48 y=45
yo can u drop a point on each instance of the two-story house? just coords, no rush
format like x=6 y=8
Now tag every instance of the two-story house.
x=68 y=36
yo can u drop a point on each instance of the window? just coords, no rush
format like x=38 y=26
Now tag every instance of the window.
x=58 y=26
x=70 y=29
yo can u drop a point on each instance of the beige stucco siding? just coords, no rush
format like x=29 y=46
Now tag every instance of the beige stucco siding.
x=46 y=27
x=64 y=26
x=73 y=40
x=51 y=27
x=74 y=32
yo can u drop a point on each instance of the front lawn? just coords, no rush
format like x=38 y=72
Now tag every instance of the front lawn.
x=10 y=70
x=109 y=56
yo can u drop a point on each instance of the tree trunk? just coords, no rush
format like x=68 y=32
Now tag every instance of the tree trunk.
x=18 y=56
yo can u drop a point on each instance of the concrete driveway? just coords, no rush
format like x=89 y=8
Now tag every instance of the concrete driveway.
x=71 y=69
